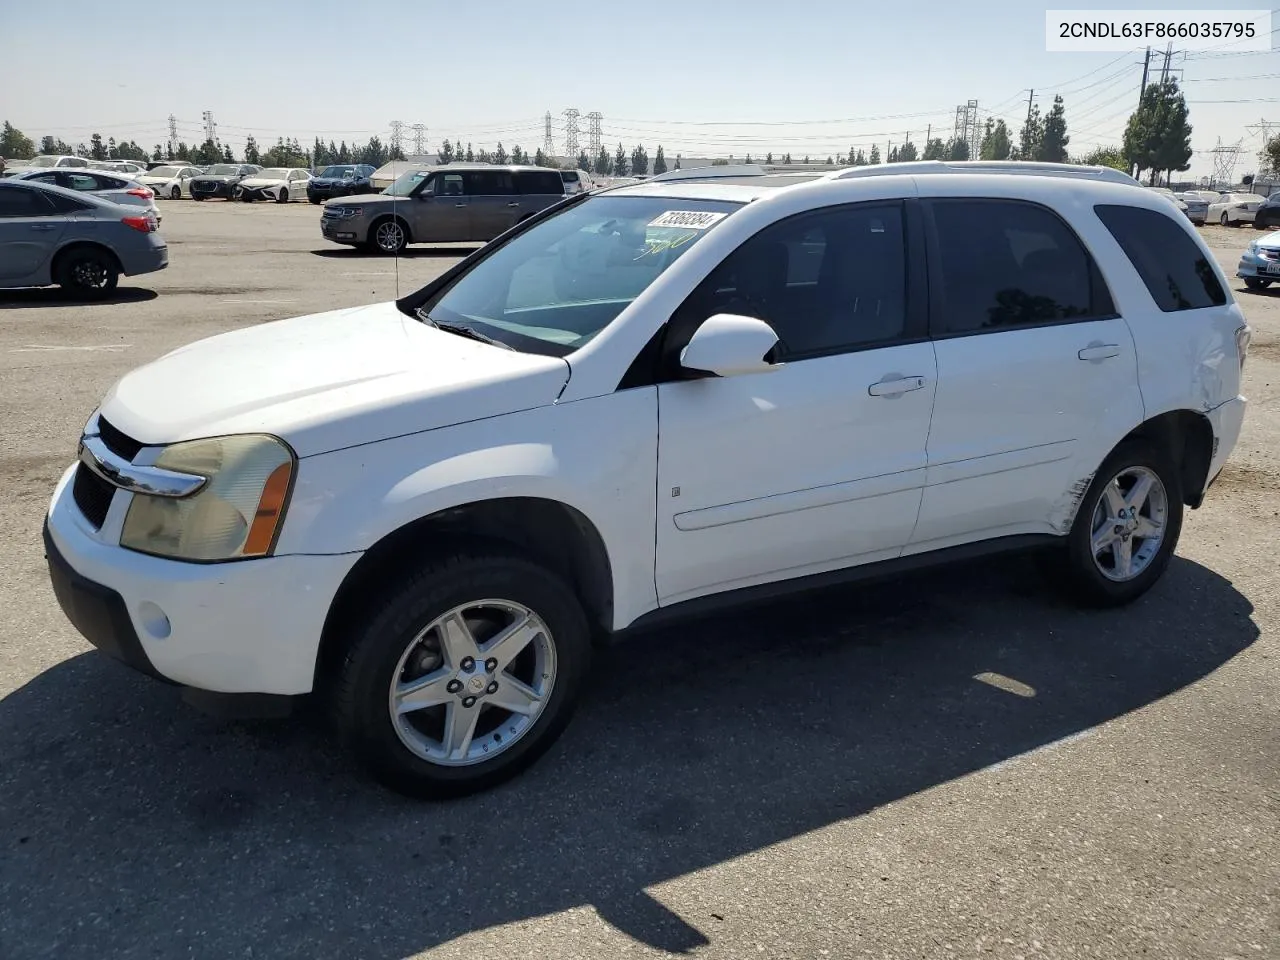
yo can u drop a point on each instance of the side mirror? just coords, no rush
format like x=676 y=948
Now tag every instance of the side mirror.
x=728 y=345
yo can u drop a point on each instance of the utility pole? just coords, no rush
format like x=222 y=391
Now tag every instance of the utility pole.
x=1146 y=70
x=1164 y=71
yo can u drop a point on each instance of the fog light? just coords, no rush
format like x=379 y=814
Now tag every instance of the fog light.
x=154 y=620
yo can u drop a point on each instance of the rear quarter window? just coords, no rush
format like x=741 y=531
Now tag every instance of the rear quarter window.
x=1172 y=266
x=538 y=182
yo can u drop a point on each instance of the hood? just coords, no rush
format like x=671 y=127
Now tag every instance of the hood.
x=261 y=181
x=337 y=181
x=328 y=381
x=1271 y=241
x=367 y=198
x=217 y=177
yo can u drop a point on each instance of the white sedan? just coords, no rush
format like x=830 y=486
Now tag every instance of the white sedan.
x=281 y=184
x=1234 y=208
x=170 y=183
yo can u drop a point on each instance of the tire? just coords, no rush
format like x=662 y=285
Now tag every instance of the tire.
x=399 y=642
x=315 y=200
x=175 y=193
x=1256 y=283
x=1087 y=578
x=87 y=273
x=196 y=197
x=388 y=236
x=283 y=196
x=1224 y=220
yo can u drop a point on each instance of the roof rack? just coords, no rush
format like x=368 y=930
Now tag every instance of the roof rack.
x=1020 y=167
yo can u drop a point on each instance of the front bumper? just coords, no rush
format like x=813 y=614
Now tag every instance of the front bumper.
x=250 y=626
x=1255 y=265
x=219 y=190
x=350 y=231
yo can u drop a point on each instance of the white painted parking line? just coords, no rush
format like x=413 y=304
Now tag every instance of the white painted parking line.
x=259 y=301
x=45 y=347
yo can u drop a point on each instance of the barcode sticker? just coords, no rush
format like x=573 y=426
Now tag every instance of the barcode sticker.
x=689 y=219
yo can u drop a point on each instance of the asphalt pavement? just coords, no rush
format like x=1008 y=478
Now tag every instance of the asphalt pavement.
x=952 y=764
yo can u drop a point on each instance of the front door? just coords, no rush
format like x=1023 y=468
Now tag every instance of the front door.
x=495 y=205
x=30 y=228
x=1037 y=375
x=820 y=463
x=443 y=215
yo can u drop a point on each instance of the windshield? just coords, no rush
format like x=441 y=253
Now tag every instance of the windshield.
x=43 y=162
x=271 y=173
x=554 y=287
x=163 y=172
x=345 y=172
x=223 y=170
x=405 y=183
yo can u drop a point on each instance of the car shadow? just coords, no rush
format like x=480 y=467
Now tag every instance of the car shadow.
x=409 y=253
x=130 y=824
x=29 y=297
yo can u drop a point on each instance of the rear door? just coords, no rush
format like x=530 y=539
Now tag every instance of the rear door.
x=30 y=229
x=1037 y=373
x=494 y=203
x=538 y=190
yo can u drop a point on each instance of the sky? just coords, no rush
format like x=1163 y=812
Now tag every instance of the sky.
x=701 y=78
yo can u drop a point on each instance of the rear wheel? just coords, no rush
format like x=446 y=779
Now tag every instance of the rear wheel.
x=88 y=273
x=463 y=674
x=1127 y=529
x=1256 y=283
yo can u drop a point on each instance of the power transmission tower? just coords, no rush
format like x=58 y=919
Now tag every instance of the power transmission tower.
x=594 y=136
x=966 y=127
x=1224 y=162
x=1266 y=129
x=419 y=139
x=397 y=137
x=548 y=141
x=173 y=135
x=571 y=132
x=210 y=128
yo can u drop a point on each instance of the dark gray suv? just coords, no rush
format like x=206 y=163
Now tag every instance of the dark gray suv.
x=450 y=204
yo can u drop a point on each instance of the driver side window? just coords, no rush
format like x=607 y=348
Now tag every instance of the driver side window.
x=827 y=282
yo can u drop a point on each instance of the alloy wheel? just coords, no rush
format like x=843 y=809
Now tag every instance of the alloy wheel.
x=89 y=274
x=1129 y=523
x=389 y=236
x=473 y=682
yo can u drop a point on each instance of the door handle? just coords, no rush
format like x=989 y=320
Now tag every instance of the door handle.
x=459 y=204
x=42 y=226
x=895 y=387
x=1099 y=351
x=513 y=204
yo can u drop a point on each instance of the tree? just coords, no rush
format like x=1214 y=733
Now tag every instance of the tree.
x=251 y=151
x=908 y=152
x=112 y=152
x=344 y=152
x=227 y=155
x=1270 y=155
x=14 y=144
x=584 y=161
x=853 y=157
x=639 y=161
x=1106 y=157
x=893 y=155
x=157 y=153
x=677 y=161
x=620 y=162
x=48 y=145
x=471 y=155
x=319 y=155
x=935 y=149
x=875 y=155
x=446 y=152
x=768 y=157
x=659 y=161
x=482 y=156
x=1053 y=145
x=786 y=158
x=1031 y=136
x=831 y=162
x=603 y=165
x=540 y=159
x=806 y=158
x=97 y=150
x=373 y=153
x=396 y=152
x=500 y=154
x=958 y=150
x=1158 y=137
x=183 y=152
x=996 y=144
x=748 y=159
x=331 y=152
x=860 y=158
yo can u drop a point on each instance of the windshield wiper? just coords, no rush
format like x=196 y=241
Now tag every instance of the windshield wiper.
x=461 y=329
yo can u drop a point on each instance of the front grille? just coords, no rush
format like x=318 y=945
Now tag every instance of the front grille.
x=92 y=495
x=117 y=442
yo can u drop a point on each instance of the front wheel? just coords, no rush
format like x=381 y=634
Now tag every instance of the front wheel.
x=175 y=193
x=463 y=674
x=389 y=236
x=1128 y=526
x=1224 y=219
x=283 y=195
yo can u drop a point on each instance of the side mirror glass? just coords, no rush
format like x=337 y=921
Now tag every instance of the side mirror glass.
x=728 y=345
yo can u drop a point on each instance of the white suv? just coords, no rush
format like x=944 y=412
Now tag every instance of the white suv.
x=639 y=403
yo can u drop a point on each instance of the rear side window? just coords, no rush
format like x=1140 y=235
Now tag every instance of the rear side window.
x=1004 y=264
x=489 y=183
x=1177 y=274
x=16 y=202
x=537 y=182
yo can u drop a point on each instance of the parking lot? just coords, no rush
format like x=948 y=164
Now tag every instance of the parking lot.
x=953 y=764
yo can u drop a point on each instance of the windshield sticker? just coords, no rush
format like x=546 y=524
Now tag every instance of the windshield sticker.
x=689 y=219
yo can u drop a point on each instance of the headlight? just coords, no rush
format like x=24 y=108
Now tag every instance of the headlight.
x=1253 y=248
x=235 y=515
x=346 y=213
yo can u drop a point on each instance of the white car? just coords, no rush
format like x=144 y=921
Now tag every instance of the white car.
x=281 y=184
x=126 y=168
x=640 y=404
x=1234 y=209
x=44 y=162
x=171 y=182
x=576 y=181
x=1259 y=265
